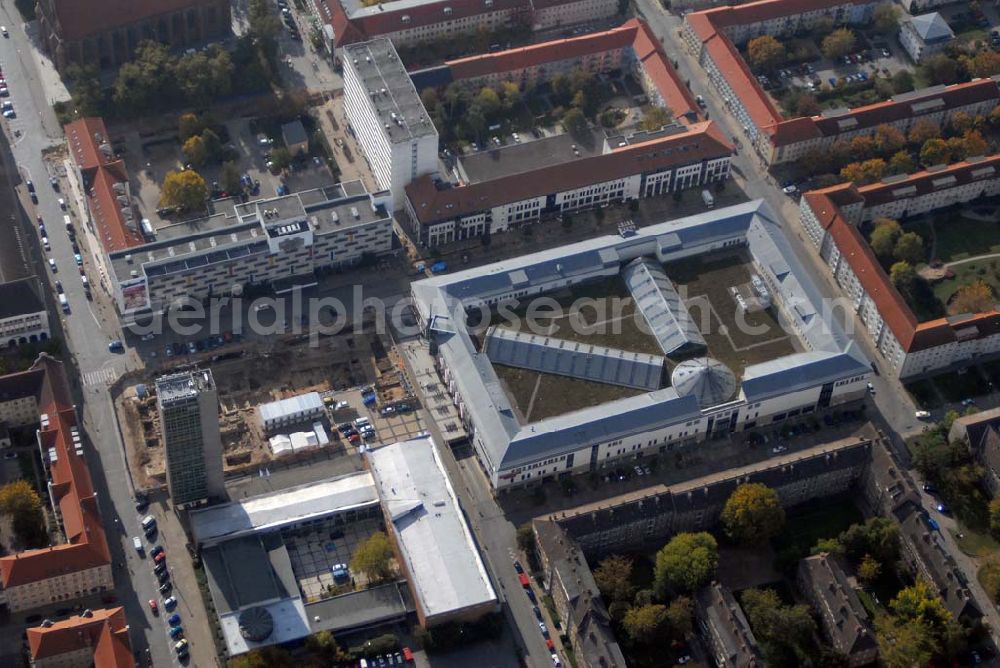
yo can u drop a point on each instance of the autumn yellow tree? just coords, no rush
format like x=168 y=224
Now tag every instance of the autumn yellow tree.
x=923 y=130
x=765 y=52
x=889 y=139
x=185 y=190
x=863 y=147
x=373 y=557
x=935 y=152
x=753 y=514
x=901 y=163
x=975 y=297
x=195 y=151
x=839 y=43
x=960 y=122
x=974 y=143
x=21 y=503
x=985 y=63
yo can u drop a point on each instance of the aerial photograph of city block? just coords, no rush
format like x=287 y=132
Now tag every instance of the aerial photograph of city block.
x=499 y=333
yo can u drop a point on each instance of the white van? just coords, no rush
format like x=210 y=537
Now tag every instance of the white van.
x=362 y=422
x=363 y=664
x=69 y=225
x=148 y=522
x=137 y=544
x=63 y=302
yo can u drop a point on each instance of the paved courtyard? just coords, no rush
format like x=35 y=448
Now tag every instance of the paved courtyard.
x=315 y=550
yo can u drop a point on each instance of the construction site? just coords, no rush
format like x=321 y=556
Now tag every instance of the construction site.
x=249 y=376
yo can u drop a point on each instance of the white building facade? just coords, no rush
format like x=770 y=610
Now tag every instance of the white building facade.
x=387 y=117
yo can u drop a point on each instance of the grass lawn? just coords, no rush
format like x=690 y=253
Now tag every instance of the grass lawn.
x=959 y=238
x=967 y=273
x=974 y=543
x=806 y=525
x=555 y=395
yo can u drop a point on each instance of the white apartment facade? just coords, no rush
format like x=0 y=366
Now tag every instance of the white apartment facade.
x=388 y=119
x=909 y=348
x=67 y=586
x=285 y=238
x=23 y=316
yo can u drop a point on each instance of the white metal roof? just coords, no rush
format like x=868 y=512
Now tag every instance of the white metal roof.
x=447 y=572
x=301 y=404
x=286 y=507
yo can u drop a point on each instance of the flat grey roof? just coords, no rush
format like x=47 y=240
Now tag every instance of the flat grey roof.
x=282 y=508
x=496 y=162
x=390 y=89
x=243 y=230
x=442 y=560
x=360 y=609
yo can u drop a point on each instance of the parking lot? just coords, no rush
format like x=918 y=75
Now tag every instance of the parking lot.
x=314 y=551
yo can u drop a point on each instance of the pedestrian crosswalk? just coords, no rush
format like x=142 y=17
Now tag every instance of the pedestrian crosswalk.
x=104 y=376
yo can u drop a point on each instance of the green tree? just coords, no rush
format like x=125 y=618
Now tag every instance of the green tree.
x=869 y=569
x=877 y=537
x=902 y=644
x=488 y=101
x=188 y=125
x=265 y=657
x=839 y=43
x=935 y=152
x=753 y=514
x=146 y=80
x=785 y=632
x=613 y=576
x=885 y=17
x=20 y=502
x=940 y=68
x=576 y=124
x=902 y=81
x=828 y=546
x=85 y=83
x=995 y=516
x=646 y=624
x=194 y=151
x=185 y=190
x=883 y=237
x=901 y=163
x=903 y=276
x=323 y=650
x=909 y=248
x=373 y=557
x=654 y=117
x=229 y=177
x=680 y=617
x=686 y=563
x=213 y=145
x=766 y=52
x=281 y=158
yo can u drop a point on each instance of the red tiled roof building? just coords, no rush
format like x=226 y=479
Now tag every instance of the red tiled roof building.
x=82 y=565
x=831 y=218
x=97 y=638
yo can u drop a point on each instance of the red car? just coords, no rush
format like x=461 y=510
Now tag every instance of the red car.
x=407 y=654
x=525 y=582
x=551 y=645
x=154 y=607
x=160 y=557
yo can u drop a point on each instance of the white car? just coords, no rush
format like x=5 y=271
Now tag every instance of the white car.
x=778 y=449
x=9 y=113
x=3 y=29
x=790 y=189
x=922 y=415
x=62 y=204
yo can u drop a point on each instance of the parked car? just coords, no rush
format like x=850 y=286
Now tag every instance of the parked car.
x=116 y=346
x=154 y=607
x=174 y=619
x=170 y=603
x=176 y=631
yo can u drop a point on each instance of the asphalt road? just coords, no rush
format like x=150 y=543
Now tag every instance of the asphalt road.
x=88 y=331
